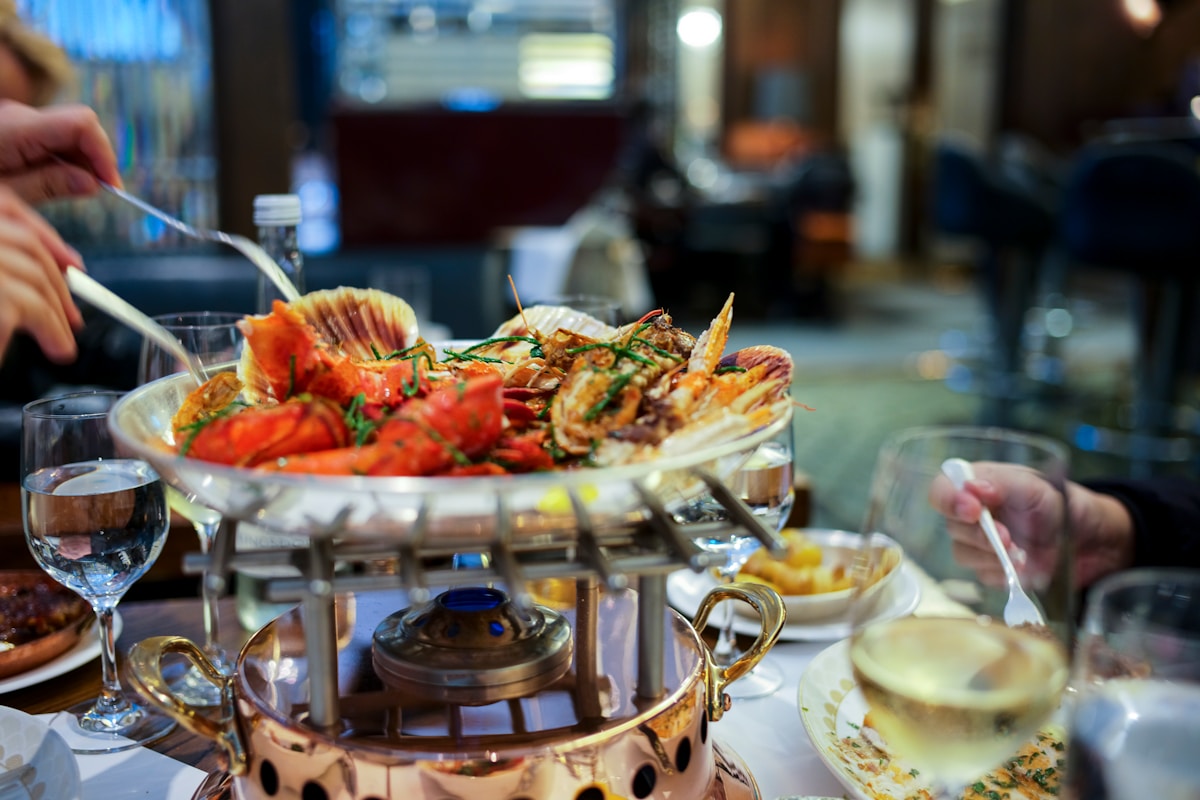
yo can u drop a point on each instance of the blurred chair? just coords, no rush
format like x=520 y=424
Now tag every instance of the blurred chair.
x=1012 y=223
x=820 y=198
x=1136 y=208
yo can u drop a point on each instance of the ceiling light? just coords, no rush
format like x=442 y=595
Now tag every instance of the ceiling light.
x=699 y=27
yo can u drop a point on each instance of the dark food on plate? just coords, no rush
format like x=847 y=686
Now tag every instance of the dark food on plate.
x=33 y=608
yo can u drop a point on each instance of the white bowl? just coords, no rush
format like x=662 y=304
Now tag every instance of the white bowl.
x=838 y=549
x=35 y=762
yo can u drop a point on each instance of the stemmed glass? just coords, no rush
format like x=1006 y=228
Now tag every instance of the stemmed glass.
x=954 y=691
x=95 y=522
x=1135 y=719
x=214 y=338
x=764 y=483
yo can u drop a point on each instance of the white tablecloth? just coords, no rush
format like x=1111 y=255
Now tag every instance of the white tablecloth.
x=769 y=736
x=767 y=732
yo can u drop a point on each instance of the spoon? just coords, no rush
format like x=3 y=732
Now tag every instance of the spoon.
x=88 y=288
x=1020 y=608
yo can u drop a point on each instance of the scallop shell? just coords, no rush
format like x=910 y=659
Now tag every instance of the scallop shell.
x=352 y=320
x=777 y=362
x=545 y=320
x=355 y=319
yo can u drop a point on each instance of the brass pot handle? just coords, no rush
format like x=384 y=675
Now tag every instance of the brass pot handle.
x=772 y=614
x=144 y=669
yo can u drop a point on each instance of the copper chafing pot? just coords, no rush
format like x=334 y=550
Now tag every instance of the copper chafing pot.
x=512 y=720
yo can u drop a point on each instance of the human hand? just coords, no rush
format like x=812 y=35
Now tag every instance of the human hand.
x=1100 y=527
x=57 y=151
x=1019 y=499
x=33 y=293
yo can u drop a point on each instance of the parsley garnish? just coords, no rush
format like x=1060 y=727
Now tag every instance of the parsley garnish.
x=357 y=422
x=469 y=353
x=617 y=350
x=396 y=354
x=456 y=355
x=656 y=349
x=193 y=428
x=618 y=384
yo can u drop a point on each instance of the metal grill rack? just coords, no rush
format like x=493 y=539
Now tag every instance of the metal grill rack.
x=646 y=549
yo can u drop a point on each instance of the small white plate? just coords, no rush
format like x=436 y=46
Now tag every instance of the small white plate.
x=685 y=590
x=86 y=649
x=35 y=762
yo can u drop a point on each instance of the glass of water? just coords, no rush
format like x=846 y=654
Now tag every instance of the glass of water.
x=1135 y=719
x=764 y=484
x=95 y=522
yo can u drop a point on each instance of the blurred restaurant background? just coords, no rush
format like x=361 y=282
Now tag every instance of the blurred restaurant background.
x=975 y=211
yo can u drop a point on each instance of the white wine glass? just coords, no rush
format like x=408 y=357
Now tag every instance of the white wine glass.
x=95 y=522
x=1135 y=719
x=953 y=691
x=764 y=484
x=213 y=336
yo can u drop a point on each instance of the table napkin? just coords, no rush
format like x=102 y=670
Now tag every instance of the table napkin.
x=138 y=772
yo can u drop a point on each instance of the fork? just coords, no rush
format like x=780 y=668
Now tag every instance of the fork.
x=249 y=249
x=1019 y=608
x=85 y=286
x=259 y=257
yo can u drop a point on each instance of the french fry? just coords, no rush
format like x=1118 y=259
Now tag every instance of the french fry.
x=800 y=571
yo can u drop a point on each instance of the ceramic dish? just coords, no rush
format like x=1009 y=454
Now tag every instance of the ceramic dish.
x=28 y=655
x=899 y=598
x=86 y=648
x=838 y=551
x=35 y=762
x=832 y=708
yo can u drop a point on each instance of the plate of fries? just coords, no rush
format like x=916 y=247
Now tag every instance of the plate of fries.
x=814 y=575
x=813 y=580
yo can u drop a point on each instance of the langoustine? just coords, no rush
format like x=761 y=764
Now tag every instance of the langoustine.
x=530 y=398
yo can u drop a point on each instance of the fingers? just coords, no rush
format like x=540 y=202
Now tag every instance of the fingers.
x=51 y=180
x=30 y=301
x=33 y=292
x=31 y=141
x=962 y=509
x=984 y=563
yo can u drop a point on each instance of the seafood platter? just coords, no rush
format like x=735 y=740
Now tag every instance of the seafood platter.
x=558 y=451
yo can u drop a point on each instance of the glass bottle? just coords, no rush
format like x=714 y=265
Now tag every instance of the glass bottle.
x=277 y=217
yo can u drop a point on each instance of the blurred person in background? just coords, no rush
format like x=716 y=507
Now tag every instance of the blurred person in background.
x=33 y=69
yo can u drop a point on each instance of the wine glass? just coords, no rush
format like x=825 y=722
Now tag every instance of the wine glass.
x=214 y=338
x=954 y=691
x=764 y=483
x=1135 y=719
x=95 y=522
